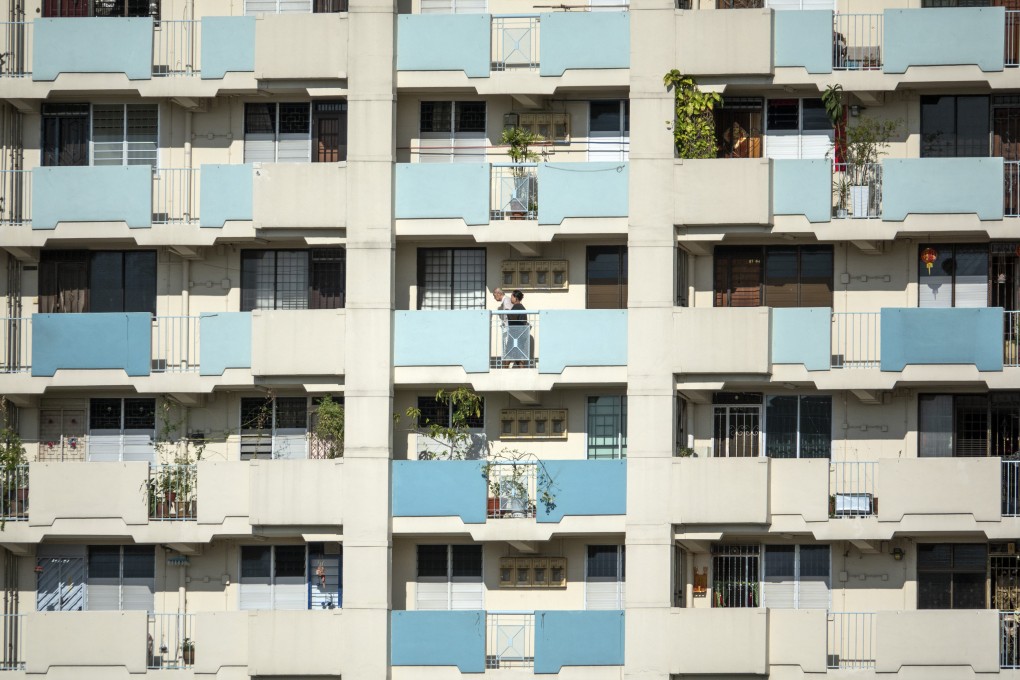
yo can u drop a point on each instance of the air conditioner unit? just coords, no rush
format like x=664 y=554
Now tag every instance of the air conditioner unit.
x=855 y=505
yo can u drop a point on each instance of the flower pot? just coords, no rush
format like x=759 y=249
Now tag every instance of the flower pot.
x=189 y=656
x=493 y=509
x=162 y=510
x=860 y=199
x=187 y=510
x=22 y=502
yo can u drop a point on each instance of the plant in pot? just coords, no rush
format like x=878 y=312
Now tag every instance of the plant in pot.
x=14 y=467
x=171 y=488
x=188 y=652
x=329 y=427
x=523 y=198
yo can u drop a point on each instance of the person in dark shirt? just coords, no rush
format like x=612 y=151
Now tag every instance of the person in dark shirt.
x=517 y=319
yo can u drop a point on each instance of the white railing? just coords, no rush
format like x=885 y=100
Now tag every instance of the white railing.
x=15 y=49
x=62 y=450
x=1011 y=488
x=13 y=655
x=173 y=492
x=1011 y=187
x=15 y=198
x=513 y=490
x=15 y=344
x=14 y=494
x=851 y=640
x=1011 y=330
x=174 y=195
x=1012 y=37
x=858 y=190
x=175 y=48
x=514 y=191
x=175 y=344
x=509 y=640
x=514 y=340
x=852 y=489
x=170 y=641
x=857 y=42
x=856 y=339
x=515 y=42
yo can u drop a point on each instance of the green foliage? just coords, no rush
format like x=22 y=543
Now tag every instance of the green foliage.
x=832 y=99
x=12 y=450
x=519 y=142
x=464 y=405
x=329 y=426
x=868 y=138
x=694 y=127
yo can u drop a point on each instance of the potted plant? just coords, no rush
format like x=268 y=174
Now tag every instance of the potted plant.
x=14 y=467
x=694 y=123
x=524 y=200
x=188 y=652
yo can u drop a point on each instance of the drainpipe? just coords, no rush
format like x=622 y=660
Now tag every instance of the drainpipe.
x=187 y=162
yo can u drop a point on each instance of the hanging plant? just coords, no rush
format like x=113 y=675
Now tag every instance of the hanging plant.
x=694 y=124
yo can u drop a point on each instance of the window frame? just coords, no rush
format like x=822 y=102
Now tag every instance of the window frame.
x=431 y=152
x=797 y=578
x=89 y=576
x=724 y=258
x=275 y=112
x=262 y=437
x=618 y=448
x=451 y=577
x=317 y=263
x=617 y=580
x=952 y=571
x=308 y=572
x=928 y=148
x=477 y=293
x=798 y=433
x=618 y=280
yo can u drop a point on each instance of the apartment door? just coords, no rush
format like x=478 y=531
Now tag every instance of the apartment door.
x=60 y=583
x=62 y=434
x=64 y=282
x=65 y=134
x=609 y=130
x=1004 y=276
x=737 y=431
x=738 y=127
x=738 y=277
x=329 y=132
x=606 y=277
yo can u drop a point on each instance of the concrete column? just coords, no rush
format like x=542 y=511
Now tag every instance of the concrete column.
x=369 y=377
x=650 y=390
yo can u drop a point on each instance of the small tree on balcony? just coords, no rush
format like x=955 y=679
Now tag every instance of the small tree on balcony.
x=12 y=459
x=329 y=426
x=694 y=124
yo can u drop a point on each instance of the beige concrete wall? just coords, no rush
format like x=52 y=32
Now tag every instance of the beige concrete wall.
x=296 y=492
x=938 y=488
x=723 y=340
x=797 y=638
x=114 y=639
x=224 y=490
x=799 y=488
x=746 y=48
x=321 y=51
x=297 y=342
x=704 y=190
x=293 y=642
x=300 y=195
x=115 y=491
x=720 y=491
x=695 y=634
x=937 y=638
x=221 y=641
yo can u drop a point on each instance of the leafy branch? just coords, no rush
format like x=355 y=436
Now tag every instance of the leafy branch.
x=694 y=124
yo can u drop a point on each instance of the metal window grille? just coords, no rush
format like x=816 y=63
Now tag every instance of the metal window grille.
x=737 y=431
x=607 y=427
x=735 y=575
x=451 y=278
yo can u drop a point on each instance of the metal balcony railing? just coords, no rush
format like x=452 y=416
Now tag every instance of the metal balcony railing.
x=857 y=190
x=857 y=42
x=1011 y=339
x=1011 y=488
x=173 y=492
x=851 y=640
x=13 y=655
x=175 y=195
x=15 y=49
x=852 y=489
x=15 y=344
x=514 y=191
x=856 y=339
x=63 y=449
x=514 y=340
x=14 y=494
x=1011 y=188
x=175 y=48
x=15 y=198
x=175 y=344
x=170 y=641
x=515 y=42
x=1012 y=37
x=509 y=639
x=513 y=490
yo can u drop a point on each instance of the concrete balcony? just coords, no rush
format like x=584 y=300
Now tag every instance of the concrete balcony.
x=745 y=632
x=91 y=194
x=444 y=496
x=481 y=199
x=477 y=346
x=290 y=196
x=469 y=640
x=748 y=42
x=720 y=491
x=703 y=188
x=321 y=54
x=496 y=52
x=302 y=342
x=968 y=640
x=969 y=493
x=115 y=640
x=721 y=340
x=58 y=506
x=63 y=342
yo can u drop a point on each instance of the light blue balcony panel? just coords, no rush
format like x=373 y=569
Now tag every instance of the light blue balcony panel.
x=804 y=38
x=92 y=45
x=578 y=638
x=570 y=484
x=582 y=190
x=443 y=191
x=224 y=341
x=458 y=337
x=440 y=488
x=582 y=337
x=802 y=187
x=445 y=42
x=227 y=194
x=802 y=336
x=438 y=638
x=942 y=336
x=106 y=193
x=578 y=40
x=228 y=44
x=92 y=341
x=934 y=186
x=944 y=36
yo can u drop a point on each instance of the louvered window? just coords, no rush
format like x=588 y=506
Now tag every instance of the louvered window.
x=121 y=577
x=958 y=276
x=796 y=577
x=125 y=134
x=797 y=128
x=122 y=429
x=284 y=132
x=451 y=278
x=293 y=279
x=604 y=575
x=274 y=428
x=451 y=131
x=449 y=577
x=290 y=577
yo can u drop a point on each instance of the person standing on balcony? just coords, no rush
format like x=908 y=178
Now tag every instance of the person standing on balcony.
x=501 y=298
x=517 y=349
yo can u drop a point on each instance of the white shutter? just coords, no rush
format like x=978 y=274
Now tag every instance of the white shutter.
x=971 y=291
x=466 y=592
x=607 y=5
x=432 y=593
x=782 y=145
x=253 y=7
x=260 y=147
x=290 y=592
x=256 y=593
x=290 y=444
x=469 y=147
x=779 y=593
x=294 y=148
x=815 y=144
x=104 y=446
x=139 y=446
x=935 y=291
x=103 y=594
x=783 y=4
x=138 y=594
x=814 y=593
x=829 y=5
x=453 y=6
x=295 y=6
x=603 y=593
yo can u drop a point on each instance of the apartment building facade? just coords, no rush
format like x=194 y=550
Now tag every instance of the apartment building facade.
x=759 y=418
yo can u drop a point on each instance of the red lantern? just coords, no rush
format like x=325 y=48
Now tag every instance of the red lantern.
x=928 y=256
